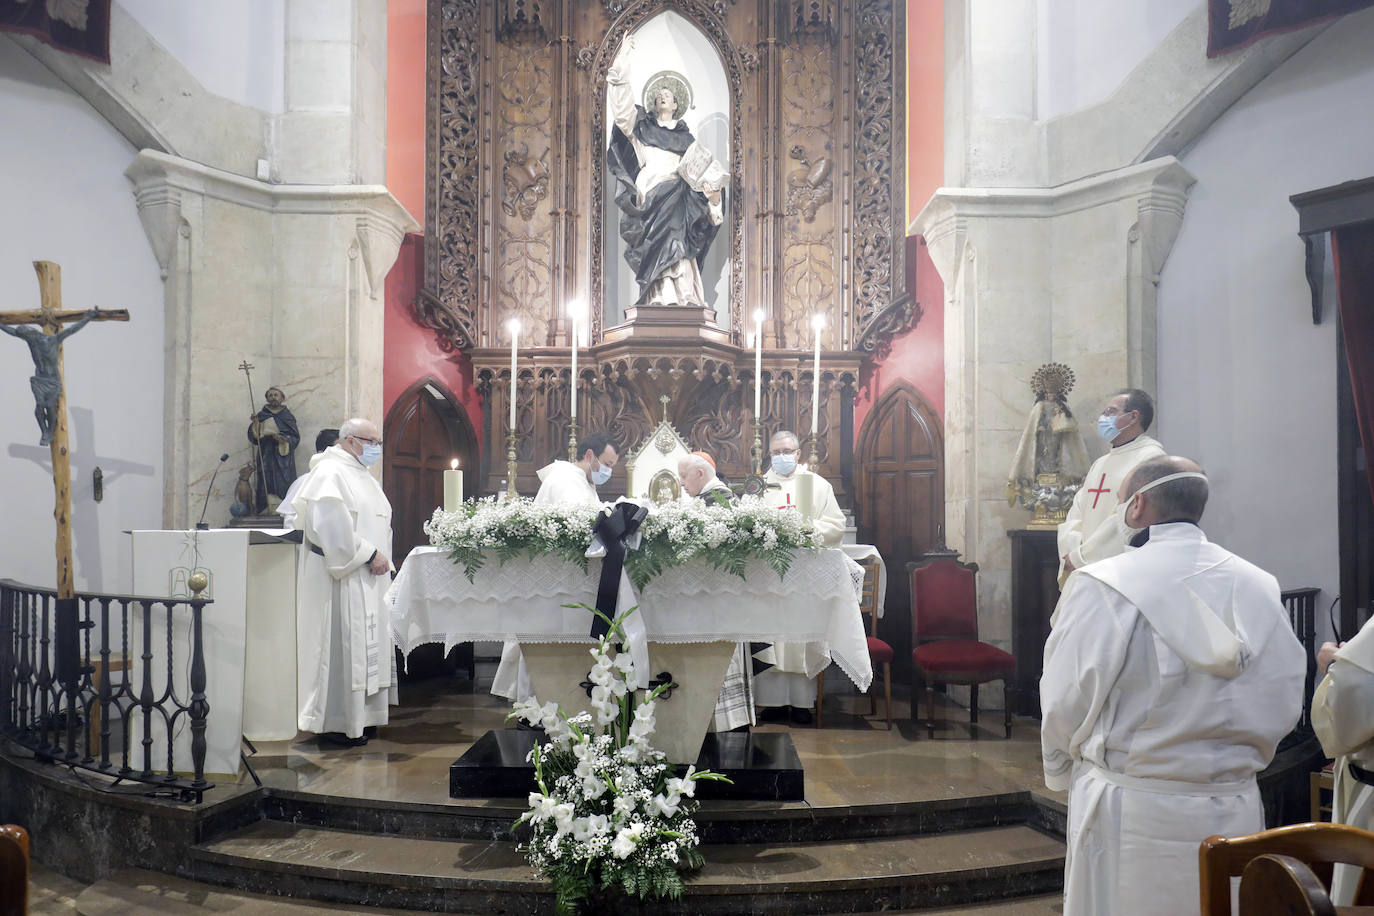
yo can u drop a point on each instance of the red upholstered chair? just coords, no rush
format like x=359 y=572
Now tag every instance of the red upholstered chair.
x=944 y=635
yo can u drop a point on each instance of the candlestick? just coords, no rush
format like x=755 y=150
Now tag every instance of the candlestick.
x=758 y=363
x=453 y=488
x=574 y=309
x=817 y=322
x=512 y=440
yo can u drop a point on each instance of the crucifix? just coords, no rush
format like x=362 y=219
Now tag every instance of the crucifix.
x=42 y=329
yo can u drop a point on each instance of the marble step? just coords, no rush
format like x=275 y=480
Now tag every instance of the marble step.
x=719 y=822
x=481 y=876
x=154 y=894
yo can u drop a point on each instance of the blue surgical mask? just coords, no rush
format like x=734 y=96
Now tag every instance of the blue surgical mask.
x=371 y=455
x=784 y=465
x=1107 y=428
x=601 y=475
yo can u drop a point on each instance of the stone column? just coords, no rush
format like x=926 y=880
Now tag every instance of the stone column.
x=1034 y=275
x=287 y=277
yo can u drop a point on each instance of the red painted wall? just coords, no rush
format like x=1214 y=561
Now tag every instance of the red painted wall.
x=405 y=104
x=410 y=352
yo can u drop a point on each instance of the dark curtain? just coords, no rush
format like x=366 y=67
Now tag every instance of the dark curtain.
x=1233 y=24
x=77 y=26
x=1352 y=254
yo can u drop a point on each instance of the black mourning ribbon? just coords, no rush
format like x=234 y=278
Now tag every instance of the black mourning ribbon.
x=613 y=527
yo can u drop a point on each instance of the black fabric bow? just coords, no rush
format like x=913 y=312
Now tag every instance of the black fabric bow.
x=613 y=527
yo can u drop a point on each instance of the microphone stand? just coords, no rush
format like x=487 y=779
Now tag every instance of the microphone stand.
x=200 y=525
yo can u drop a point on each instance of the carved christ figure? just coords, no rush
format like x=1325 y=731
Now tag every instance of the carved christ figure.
x=46 y=381
x=668 y=189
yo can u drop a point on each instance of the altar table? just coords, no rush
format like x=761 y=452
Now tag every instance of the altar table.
x=817 y=603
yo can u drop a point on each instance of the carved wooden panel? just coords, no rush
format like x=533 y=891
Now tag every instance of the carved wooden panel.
x=517 y=195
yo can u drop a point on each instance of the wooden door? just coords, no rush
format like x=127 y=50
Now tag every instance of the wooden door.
x=425 y=430
x=901 y=501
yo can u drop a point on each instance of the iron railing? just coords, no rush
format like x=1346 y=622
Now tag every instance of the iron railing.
x=75 y=692
x=1301 y=604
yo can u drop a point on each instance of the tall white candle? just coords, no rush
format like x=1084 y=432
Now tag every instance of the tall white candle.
x=513 y=327
x=453 y=487
x=817 y=321
x=573 y=309
x=758 y=363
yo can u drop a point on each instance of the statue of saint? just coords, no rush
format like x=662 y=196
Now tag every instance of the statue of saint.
x=668 y=189
x=274 y=431
x=45 y=382
x=1050 y=459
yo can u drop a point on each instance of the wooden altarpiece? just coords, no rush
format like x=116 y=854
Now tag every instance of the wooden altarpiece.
x=515 y=222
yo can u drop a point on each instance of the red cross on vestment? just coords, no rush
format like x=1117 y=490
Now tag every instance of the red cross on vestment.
x=1100 y=489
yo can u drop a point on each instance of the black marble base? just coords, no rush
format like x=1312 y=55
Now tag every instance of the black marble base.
x=762 y=767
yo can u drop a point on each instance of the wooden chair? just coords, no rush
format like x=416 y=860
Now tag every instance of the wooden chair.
x=14 y=870
x=1274 y=885
x=1318 y=846
x=944 y=636
x=879 y=652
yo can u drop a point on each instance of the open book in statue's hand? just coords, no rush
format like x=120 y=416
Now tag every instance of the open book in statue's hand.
x=700 y=169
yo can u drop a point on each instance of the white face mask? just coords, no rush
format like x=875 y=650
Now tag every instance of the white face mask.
x=601 y=474
x=1165 y=479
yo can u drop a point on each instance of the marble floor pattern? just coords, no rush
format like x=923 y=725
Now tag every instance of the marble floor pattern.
x=854 y=760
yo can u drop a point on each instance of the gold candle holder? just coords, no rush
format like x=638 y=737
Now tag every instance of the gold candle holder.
x=512 y=440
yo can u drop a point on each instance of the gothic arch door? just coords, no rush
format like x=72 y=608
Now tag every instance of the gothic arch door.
x=425 y=430
x=901 y=500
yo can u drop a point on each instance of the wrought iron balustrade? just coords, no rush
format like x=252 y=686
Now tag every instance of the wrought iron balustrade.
x=76 y=692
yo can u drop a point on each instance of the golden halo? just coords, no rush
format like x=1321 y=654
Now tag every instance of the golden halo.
x=675 y=83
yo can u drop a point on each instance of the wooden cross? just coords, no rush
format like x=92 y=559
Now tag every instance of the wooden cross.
x=50 y=317
x=1099 y=490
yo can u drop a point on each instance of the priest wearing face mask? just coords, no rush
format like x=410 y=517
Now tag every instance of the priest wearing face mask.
x=570 y=483
x=1095 y=527
x=561 y=483
x=783 y=473
x=1170 y=677
x=345 y=672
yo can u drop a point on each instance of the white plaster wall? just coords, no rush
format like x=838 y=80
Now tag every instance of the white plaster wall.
x=1085 y=48
x=1247 y=383
x=65 y=199
x=234 y=48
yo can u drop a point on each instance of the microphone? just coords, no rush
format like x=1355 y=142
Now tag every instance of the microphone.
x=200 y=525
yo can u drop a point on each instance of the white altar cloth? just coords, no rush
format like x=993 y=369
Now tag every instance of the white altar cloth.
x=817 y=603
x=861 y=552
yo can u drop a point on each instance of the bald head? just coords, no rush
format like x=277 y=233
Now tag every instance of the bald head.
x=695 y=472
x=357 y=433
x=1180 y=500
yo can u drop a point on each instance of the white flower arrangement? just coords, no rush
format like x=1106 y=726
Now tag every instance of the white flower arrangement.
x=727 y=537
x=607 y=815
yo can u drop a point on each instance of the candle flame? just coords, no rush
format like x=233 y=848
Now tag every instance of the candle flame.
x=758 y=316
x=575 y=309
x=453 y=464
x=818 y=321
x=513 y=326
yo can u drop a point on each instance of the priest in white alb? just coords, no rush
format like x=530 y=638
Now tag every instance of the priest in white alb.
x=345 y=666
x=1094 y=528
x=787 y=682
x=1343 y=718
x=561 y=483
x=1170 y=678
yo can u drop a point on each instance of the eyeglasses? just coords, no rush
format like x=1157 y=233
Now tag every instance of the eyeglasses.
x=785 y=451
x=367 y=440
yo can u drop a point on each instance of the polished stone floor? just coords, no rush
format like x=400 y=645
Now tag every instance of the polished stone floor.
x=852 y=760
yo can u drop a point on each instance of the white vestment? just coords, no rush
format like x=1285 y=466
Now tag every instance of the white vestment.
x=1096 y=525
x=345 y=666
x=561 y=483
x=285 y=509
x=1343 y=718
x=1168 y=682
x=792 y=681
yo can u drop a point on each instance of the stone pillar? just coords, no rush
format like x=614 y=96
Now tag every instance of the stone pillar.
x=287 y=277
x=1034 y=275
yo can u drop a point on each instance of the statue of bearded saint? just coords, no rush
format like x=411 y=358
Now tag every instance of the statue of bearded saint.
x=668 y=189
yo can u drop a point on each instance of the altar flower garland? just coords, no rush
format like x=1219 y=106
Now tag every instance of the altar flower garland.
x=726 y=537
x=607 y=814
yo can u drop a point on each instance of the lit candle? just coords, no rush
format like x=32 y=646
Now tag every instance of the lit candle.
x=817 y=322
x=574 y=308
x=758 y=364
x=513 y=328
x=806 y=493
x=453 y=487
